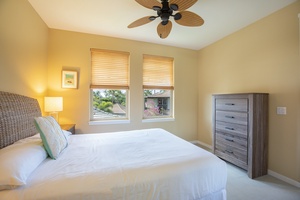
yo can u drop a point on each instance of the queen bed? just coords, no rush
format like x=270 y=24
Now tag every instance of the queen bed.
x=148 y=164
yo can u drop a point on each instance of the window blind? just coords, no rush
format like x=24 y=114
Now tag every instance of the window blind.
x=110 y=69
x=158 y=72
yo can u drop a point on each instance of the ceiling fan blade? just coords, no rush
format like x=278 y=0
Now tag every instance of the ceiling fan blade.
x=163 y=31
x=183 y=4
x=140 y=22
x=190 y=19
x=149 y=3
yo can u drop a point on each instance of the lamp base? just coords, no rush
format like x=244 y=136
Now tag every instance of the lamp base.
x=54 y=115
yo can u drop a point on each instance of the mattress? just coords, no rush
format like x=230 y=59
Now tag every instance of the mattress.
x=150 y=164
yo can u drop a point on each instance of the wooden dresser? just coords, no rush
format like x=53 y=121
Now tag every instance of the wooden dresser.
x=240 y=129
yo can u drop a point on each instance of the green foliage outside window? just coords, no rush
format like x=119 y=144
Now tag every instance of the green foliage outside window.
x=105 y=99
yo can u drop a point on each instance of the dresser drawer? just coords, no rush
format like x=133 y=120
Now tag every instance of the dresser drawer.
x=232 y=154
x=232 y=151
x=231 y=158
x=232 y=140
x=234 y=129
x=240 y=105
x=232 y=117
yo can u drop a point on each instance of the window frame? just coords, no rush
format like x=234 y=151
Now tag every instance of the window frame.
x=168 y=85
x=108 y=86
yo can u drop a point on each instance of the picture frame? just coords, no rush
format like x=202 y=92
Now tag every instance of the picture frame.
x=69 y=79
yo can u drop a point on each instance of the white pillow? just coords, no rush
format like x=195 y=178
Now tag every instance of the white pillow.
x=19 y=160
x=52 y=136
x=67 y=134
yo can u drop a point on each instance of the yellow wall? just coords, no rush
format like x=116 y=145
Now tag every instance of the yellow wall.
x=23 y=49
x=71 y=50
x=263 y=57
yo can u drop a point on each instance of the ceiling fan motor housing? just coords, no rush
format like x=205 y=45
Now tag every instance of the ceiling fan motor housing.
x=166 y=11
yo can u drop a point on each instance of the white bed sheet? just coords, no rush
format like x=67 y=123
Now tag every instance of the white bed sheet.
x=150 y=164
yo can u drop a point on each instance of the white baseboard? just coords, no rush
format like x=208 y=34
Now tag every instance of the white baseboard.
x=202 y=144
x=284 y=178
x=270 y=172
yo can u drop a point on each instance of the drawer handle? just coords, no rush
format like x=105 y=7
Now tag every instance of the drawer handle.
x=228 y=128
x=230 y=140
x=229 y=151
x=231 y=117
x=229 y=104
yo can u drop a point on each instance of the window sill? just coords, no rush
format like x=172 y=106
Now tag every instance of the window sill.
x=158 y=120
x=92 y=123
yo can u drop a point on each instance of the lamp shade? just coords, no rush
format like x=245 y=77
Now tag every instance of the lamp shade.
x=53 y=104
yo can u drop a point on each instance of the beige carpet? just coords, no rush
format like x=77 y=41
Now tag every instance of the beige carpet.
x=241 y=187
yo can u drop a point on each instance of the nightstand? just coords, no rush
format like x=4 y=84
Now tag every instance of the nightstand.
x=68 y=127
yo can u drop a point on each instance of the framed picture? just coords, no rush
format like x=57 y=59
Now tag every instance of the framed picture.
x=69 y=79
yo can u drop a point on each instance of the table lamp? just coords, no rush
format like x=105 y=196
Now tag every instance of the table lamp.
x=53 y=105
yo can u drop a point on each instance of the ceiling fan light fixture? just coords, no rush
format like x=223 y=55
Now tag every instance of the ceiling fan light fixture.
x=174 y=7
x=164 y=22
x=156 y=8
x=152 y=18
x=177 y=16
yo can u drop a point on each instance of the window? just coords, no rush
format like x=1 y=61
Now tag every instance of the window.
x=158 y=87
x=109 y=85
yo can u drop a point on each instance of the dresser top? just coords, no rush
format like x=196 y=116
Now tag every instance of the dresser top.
x=256 y=93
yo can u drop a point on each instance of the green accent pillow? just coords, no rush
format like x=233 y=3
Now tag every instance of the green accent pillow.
x=52 y=136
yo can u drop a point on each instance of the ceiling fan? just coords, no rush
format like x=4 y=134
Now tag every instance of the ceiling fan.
x=164 y=11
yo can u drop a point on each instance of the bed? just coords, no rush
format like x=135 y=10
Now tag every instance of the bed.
x=148 y=164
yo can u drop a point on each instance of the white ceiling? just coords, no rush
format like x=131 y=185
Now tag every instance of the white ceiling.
x=111 y=18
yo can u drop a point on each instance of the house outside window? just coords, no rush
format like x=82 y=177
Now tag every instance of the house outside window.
x=158 y=86
x=157 y=103
x=109 y=85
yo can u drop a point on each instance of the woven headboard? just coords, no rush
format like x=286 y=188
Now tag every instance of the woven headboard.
x=17 y=114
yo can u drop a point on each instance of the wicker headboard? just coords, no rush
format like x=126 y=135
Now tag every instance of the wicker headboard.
x=17 y=114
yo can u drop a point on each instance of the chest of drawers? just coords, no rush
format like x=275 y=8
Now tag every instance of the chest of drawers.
x=240 y=130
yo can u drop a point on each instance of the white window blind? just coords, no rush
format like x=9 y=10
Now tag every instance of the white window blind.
x=158 y=72
x=110 y=69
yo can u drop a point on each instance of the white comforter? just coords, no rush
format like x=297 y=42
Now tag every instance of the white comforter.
x=150 y=164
